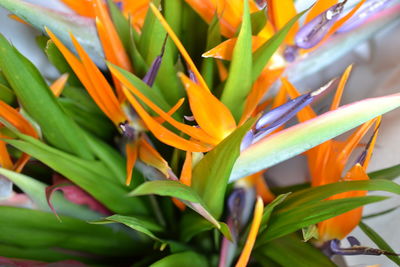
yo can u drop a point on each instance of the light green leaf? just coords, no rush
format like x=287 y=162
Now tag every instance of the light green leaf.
x=290 y=251
x=39 y=102
x=379 y=241
x=269 y=209
x=61 y=24
x=310 y=232
x=6 y=94
x=239 y=82
x=211 y=174
x=188 y=258
x=286 y=222
x=290 y=142
x=36 y=191
x=390 y=173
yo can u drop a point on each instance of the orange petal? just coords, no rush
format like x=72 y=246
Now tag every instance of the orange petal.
x=222 y=71
x=58 y=86
x=210 y=113
x=179 y=45
x=104 y=99
x=280 y=12
x=131 y=150
x=15 y=119
x=5 y=160
x=151 y=157
x=194 y=132
x=251 y=238
x=339 y=91
x=103 y=90
x=83 y=7
x=340 y=226
x=171 y=111
x=161 y=133
x=225 y=49
x=186 y=174
x=22 y=161
x=15 y=17
x=372 y=143
x=319 y=7
x=261 y=187
x=136 y=10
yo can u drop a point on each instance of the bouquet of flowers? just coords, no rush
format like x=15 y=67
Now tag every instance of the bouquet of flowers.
x=152 y=146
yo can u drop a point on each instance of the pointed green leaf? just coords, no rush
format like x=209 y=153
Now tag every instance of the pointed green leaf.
x=7 y=95
x=239 y=82
x=36 y=191
x=211 y=174
x=90 y=175
x=264 y=53
x=269 y=209
x=188 y=258
x=258 y=20
x=286 y=222
x=379 y=241
x=120 y=22
x=141 y=224
x=390 y=173
x=39 y=102
x=301 y=254
x=61 y=24
x=290 y=142
x=208 y=67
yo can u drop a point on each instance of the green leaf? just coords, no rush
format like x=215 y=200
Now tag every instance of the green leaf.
x=390 y=173
x=36 y=191
x=141 y=224
x=211 y=174
x=90 y=175
x=61 y=24
x=258 y=20
x=269 y=209
x=37 y=99
x=36 y=229
x=192 y=225
x=290 y=251
x=120 y=22
x=264 y=53
x=289 y=221
x=7 y=95
x=310 y=232
x=369 y=216
x=188 y=258
x=290 y=142
x=167 y=188
x=322 y=192
x=379 y=241
x=239 y=82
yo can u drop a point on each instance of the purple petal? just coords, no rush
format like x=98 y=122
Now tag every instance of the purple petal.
x=353 y=241
x=355 y=249
x=247 y=140
x=151 y=75
x=361 y=159
x=365 y=12
x=290 y=53
x=314 y=31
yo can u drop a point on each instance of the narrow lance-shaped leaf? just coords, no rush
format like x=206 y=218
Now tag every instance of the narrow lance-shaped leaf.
x=239 y=80
x=290 y=142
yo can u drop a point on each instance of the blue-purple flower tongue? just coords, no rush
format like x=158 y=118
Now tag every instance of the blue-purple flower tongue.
x=314 y=31
x=365 y=12
x=361 y=159
x=355 y=248
x=151 y=75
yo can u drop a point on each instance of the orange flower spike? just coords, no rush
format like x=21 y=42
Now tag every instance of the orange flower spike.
x=58 y=86
x=186 y=174
x=196 y=133
x=340 y=89
x=161 y=133
x=5 y=160
x=15 y=119
x=281 y=11
x=319 y=7
x=171 y=111
x=180 y=47
x=103 y=101
x=222 y=71
x=261 y=186
x=210 y=113
x=16 y=18
x=118 y=50
x=82 y=7
x=131 y=150
x=371 y=144
x=151 y=157
x=251 y=238
x=100 y=84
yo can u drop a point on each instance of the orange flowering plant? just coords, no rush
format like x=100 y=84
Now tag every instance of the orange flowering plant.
x=161 y=126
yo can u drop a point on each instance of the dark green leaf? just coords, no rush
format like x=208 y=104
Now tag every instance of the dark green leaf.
x=188 y=258
x=290 y=251
x=379 y=213
x=239 y=81
x=379 y=241
x=258 y=20
x=390 y=173
x=7 y=95
x=120 y=22
x=191 y=225
x=211 y=174
x=39 y=102
x=283 y=223
x=269 y=209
